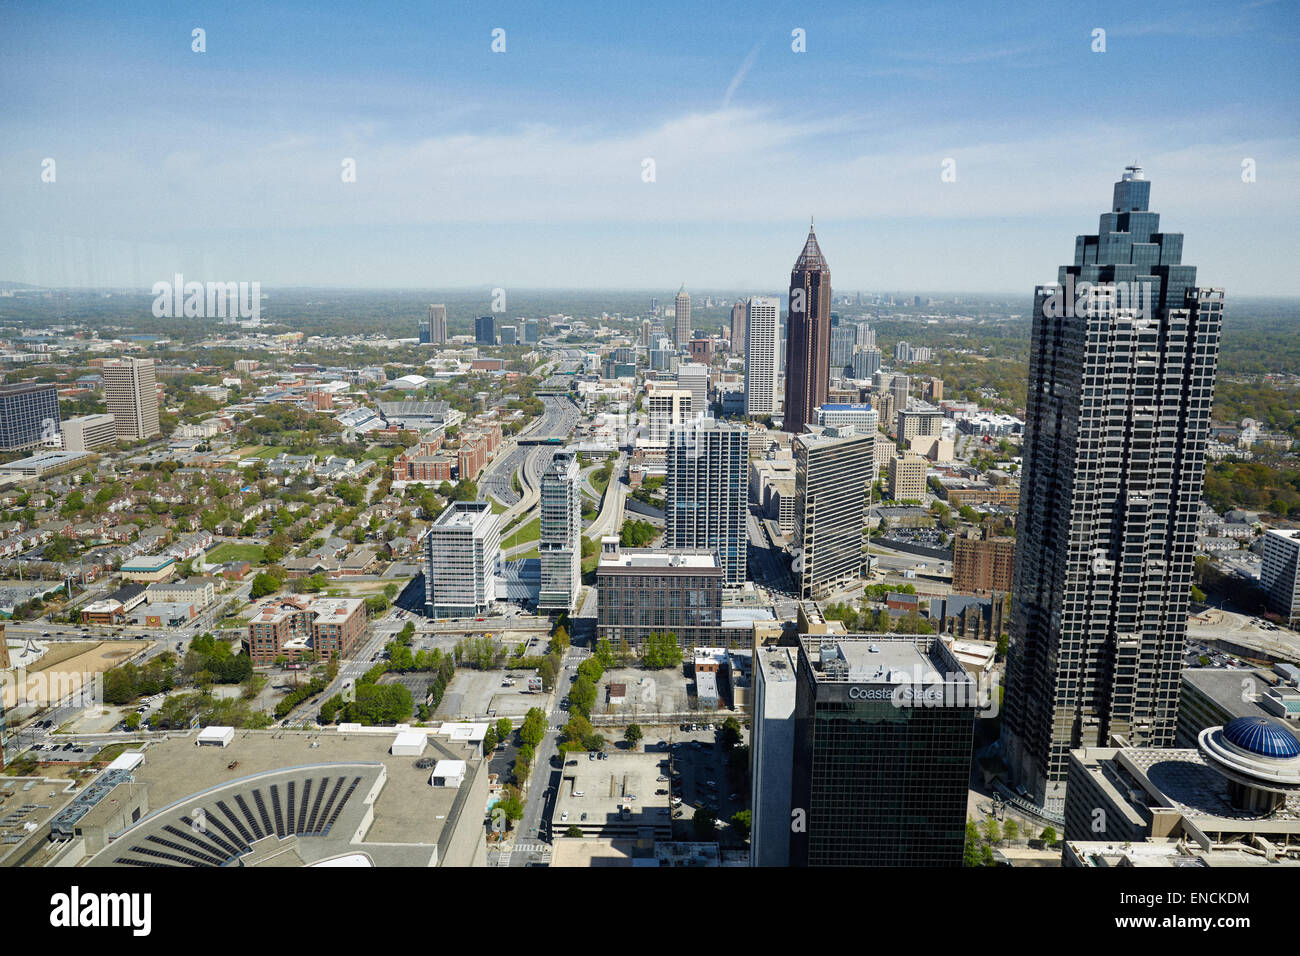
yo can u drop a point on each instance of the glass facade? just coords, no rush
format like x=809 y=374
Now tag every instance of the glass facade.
x=29 y=415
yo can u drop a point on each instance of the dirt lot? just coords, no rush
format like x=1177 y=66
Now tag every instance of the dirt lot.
x=63 y=669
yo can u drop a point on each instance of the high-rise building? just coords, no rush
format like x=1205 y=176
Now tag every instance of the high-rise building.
x=866 y=336
x=647 y=329
x=883 y=739
x=760 y=322
x=981 y=566
x=694 y=377
x=532 y=331
x=667 y=408
x=131 y=393
x=560 y=544
x=707 y=489
x=844 y=338
x=436 y=327
x=864 y=418
x=808 y=355
x=1280 y=573
x=29 y=415
x=88 y=432
x=866 y=362
x=644 y=591
x=833 y=474
x=771 y=754
x=462 y=552
x=682 y=318
x=907 y=477
x=900 y=386
x=920 y=419
x=739 y=337
x=485 y=330
x=509 y=335
x=1120 y=390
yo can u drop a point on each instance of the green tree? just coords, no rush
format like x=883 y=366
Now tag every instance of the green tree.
x=632 y=735
x=1010 y=830
x=971 y=853
x=1048 y=836
x=992 y=832
x=132 y=721
x=742 y=822
x=504 y=728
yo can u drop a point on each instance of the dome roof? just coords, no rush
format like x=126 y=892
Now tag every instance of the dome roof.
x=1262 y=736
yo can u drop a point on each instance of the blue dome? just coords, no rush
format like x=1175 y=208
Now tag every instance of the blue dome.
x=1262 y=736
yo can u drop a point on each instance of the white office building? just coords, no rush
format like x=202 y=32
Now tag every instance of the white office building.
x=1280 y=572
x=462 y=552
x=762 y=319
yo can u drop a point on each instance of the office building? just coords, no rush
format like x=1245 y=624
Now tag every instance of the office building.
x=1280 y=574
x=739 y=333
x=708 y=468
x=131 y=393
x=982 y=566
x=436 y=327
x=695 y=379
x=808 y=355
x=762 y=315
x=560 y=544
x=858 y=414
x=771 y=754
x=462 y=552
x=884 y=729
x=29 y=415
x=485 y=330
x=682 y=318
x=644 y=591
x=833 y=476
x=532 y=331
x=1120 y=392
x=919 y=420
x=88 y=432
x=866 y=336
x=509 y=335
x=899 y=386
x=907 y=477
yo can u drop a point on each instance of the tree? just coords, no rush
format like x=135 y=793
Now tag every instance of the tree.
x=706 y=825
x=731 y=732
x=992 y=832
x=742 y=822
x=1010 y=830
x=490 y=740
x=573 y=831
x=504 y=728
x=1048 y=836
x=632 y=735
x=132 y=722
x=971 y=853
x=263 y=584
x=582 y=696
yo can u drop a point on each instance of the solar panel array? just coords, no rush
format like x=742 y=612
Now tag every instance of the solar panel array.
x=218 y=835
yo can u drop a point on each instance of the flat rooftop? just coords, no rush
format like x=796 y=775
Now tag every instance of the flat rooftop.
x=408 y=813
x=655 y=558
x=879 y=658
x=602 y=788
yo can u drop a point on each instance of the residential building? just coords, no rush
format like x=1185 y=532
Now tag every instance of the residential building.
x=762 y=317
x=980 y=566
x=302 y=626
x=707 y=478
x=462 y=552
x=560 y=544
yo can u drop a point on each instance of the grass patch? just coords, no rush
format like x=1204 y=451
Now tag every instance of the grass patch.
x=269 y=451
x=497 y=507
x=599 y=480
x=228 y=551
x=522 y=534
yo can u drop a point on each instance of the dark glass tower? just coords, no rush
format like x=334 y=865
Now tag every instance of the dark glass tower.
x=808 y=341
x=1121 y=383
x=29 y=415
x=485 y=330
x=883 y=731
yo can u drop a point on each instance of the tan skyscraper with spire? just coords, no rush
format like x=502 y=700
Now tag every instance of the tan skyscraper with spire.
x=808 y=336
x=682 y=322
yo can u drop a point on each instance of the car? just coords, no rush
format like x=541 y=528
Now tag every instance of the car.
x=661 y=793
x=661 y=779
x=570 y=763
x=564 y=816
x=579 y=793
x=676 y=801
x=603 y=756
x=583 y=817
x=734 y=796
x=591 y=756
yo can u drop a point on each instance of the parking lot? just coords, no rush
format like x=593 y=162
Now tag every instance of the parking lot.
x=647 y=692
x=698 y=768
x=481 y=693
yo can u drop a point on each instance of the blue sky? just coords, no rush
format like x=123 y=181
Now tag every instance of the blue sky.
x=525 y=167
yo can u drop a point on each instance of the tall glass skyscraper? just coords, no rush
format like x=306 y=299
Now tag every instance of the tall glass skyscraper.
x=808 y=324
x=29 y=415
x=1121 y=383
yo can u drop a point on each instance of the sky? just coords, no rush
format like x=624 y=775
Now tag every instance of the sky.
x=528 y=167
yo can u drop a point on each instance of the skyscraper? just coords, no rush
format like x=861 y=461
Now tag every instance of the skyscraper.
x=682 y=322
x=843 y=339
x=29 y=415
x=883 y=733
x=560 y=544
x=739 y=311
x=462 y=552
x=833 y=471
x=808 y=357
x=707 y=492
x=760 y=324
x=485 y=330
x=694 y=377
x=1120 y=391
x=437 y=326
x=131 y=393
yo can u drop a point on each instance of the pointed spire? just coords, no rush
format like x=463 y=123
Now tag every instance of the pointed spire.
x=811 y=259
